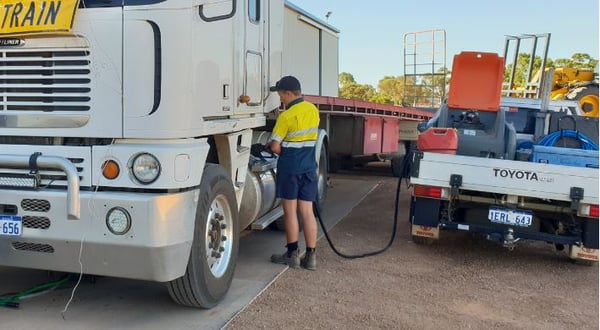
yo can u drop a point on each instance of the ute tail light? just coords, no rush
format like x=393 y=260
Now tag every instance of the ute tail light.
x=427 y=191
x=593 y=211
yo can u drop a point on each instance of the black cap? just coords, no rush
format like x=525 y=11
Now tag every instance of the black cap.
x=287 y=83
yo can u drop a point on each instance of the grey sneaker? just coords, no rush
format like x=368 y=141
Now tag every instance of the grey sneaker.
x=293 y=260
x=309 y=261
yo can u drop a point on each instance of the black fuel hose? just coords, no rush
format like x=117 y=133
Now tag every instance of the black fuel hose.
x=403 y=173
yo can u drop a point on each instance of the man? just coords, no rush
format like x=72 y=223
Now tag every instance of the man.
x=293 y=139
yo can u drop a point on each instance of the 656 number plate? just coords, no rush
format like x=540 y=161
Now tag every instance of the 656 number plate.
x=510 y=217
x=11 y=225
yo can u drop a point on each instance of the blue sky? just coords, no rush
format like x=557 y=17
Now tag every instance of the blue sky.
x=372 y=32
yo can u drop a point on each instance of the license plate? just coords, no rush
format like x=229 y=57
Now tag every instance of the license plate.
x=510 y=217
x=11 y=225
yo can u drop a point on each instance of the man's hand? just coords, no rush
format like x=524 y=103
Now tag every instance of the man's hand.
x=275 y=147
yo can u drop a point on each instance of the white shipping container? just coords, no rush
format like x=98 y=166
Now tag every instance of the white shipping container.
x=310 y=51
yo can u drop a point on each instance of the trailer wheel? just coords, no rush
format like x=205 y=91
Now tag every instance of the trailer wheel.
x=396 y=164
x=215 y=247
x=422 y=240
x=335 y=164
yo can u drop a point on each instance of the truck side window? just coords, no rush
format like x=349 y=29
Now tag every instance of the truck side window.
x=254 y=11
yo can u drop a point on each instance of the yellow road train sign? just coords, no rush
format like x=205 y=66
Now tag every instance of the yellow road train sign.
x=18 y=17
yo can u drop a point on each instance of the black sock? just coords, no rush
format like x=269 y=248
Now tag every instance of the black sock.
x=310 y=250
x=291 y=247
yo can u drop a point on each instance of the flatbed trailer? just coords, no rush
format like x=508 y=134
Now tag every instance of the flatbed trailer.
x=360 y=131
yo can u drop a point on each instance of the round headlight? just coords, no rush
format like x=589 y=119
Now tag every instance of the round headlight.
x=145 y=168
x=118 y=220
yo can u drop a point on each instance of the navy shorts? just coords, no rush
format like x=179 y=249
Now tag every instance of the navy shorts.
x=298 y=186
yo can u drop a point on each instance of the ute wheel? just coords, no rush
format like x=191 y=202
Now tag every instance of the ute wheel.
x=215 y=247
x=588 y=100
x=422 y=240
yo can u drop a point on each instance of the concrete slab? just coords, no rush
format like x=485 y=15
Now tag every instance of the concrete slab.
x=111 y=303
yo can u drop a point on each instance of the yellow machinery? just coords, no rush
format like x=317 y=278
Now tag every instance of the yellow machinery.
x=579 y=85
x=569 y=83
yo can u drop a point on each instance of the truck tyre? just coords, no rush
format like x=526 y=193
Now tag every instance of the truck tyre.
x=215 y=247
x=323 y=176
x=588 y=100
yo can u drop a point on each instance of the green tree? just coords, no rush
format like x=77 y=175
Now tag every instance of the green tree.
x=434 y=88
x=346 y=79
x=578 y=61
x=390 y=90
x=350 y=89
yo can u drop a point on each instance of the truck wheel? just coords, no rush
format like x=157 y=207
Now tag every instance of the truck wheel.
x=323 y=176
x=422 y=240
x=588 y=100
x=215 y=247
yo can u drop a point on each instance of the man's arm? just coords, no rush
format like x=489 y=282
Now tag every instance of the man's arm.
x=279 y=132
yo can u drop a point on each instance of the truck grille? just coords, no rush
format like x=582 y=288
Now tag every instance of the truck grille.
x=48 y=177
x=34 y=247
x=36 y=222
x=45 y=80
x=35 y=205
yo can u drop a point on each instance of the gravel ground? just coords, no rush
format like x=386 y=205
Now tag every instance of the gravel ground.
x=461 y=282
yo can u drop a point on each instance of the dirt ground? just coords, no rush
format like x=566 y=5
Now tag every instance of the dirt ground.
x=462 y=281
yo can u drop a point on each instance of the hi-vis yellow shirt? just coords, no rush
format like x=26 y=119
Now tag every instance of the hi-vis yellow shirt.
x=297 y=129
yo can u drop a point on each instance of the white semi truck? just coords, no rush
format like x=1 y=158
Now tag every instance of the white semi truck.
x=126 y=129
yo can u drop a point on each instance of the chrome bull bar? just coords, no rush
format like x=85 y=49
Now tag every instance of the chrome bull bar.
x=52 y=162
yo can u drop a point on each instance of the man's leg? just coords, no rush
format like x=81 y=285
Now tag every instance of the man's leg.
x=290 y=219
x=307 y=194
x=309 y=222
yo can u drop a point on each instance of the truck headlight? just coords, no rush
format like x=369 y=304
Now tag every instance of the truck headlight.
x=145 y=168
x=118 y=220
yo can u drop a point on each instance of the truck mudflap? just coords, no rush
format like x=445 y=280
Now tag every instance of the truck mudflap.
x=425 y=231
x=583 y=253
x=31 y=181
x=425 y=212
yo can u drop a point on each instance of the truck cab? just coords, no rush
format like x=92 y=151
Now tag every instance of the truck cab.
x=126 y=135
